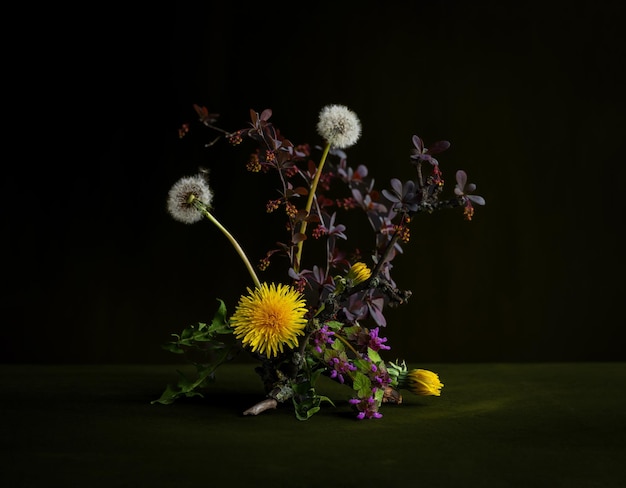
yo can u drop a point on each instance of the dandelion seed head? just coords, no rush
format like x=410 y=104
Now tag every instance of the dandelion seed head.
x=339 y=126
x=181 y=195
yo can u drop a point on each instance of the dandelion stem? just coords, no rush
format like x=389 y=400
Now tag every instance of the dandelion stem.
x=232 y=240
x=309 y=203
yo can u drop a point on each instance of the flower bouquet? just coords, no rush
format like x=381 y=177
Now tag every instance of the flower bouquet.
x=325 y=318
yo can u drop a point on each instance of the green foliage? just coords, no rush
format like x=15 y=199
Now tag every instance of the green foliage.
x=200 y=340
x=306 y=401
x=362 y=385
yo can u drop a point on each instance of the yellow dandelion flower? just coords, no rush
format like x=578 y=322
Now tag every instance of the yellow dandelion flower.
x=424 y=382
x=358 y=273
x=270 y=318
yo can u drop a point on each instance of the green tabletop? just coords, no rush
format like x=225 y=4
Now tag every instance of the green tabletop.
x=495 y=425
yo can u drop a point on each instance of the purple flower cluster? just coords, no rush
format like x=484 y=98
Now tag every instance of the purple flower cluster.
x=380 y=377
x=367 y=407
x=376 y=342
x=340 y=366
x=322 y=337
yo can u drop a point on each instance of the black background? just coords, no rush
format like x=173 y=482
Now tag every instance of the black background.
x=530 y=94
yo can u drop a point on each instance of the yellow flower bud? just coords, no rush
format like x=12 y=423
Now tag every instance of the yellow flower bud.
x=423 y=382
x=359 y=272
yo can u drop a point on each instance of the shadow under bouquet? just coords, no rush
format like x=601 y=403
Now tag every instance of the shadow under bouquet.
x=325 y=318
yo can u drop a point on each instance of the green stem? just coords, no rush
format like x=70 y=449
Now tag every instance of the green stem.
x=205 y=211
x=347 y=343
x=309 y=203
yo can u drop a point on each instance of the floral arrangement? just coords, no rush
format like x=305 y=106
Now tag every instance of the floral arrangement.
x=325 y=318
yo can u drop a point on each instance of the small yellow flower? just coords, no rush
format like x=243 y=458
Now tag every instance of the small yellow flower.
x=359 y=272
x=424 y=382
x=270 y=318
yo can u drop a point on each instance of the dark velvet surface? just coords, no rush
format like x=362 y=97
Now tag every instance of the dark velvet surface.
x=495 y=425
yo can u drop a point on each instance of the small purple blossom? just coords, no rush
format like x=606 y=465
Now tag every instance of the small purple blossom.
x=340 y=366
x=378 y=374
x=382 y=379
x=367 y=407
x=322 y=337
x=376 y=342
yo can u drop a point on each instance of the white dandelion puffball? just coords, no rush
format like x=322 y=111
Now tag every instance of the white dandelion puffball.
x=339 y=126
x=179 y=201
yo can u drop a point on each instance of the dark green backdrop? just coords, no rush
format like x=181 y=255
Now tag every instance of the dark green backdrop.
x=530 y=94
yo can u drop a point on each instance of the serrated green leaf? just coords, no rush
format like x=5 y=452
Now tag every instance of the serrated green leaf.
x=186 y=333
x=315 y=374
x=310 y=405
x=352 y=331
x=362 y=384
x=167 y=397
x=219 y=325
x=334 y=325
x=373 y=355
x=362 y=365
x=205 y=373
x=320 y=310
x=307 y=413
x=173 y=347
x=326 y=399
x=378 y=396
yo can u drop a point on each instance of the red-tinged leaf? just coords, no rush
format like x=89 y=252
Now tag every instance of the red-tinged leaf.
x=301 y=191
x=461 y=179
x=283 y=247
x=396 y=184
x=390 y=196
x=478 y=200
x=438 y=147
x=300 y=216
x=299 y=238
x=201 y=111
x=313 y=218
x=417 y=142
x=266 y=114
x=254 y=117
x=271 y=133
x=378 y=316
